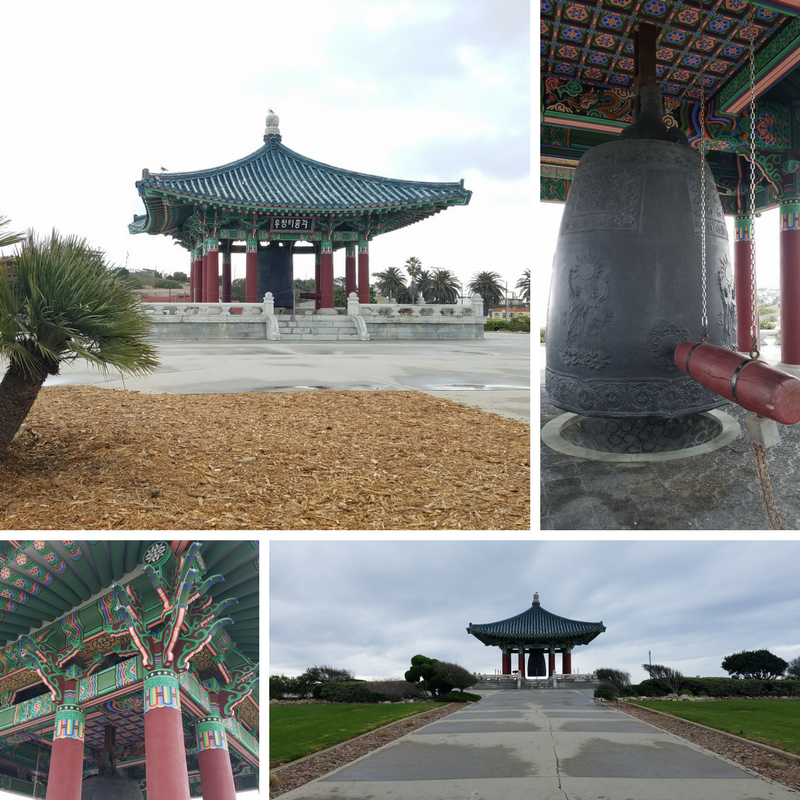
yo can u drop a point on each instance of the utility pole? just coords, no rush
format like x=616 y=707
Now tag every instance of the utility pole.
x=506 y=302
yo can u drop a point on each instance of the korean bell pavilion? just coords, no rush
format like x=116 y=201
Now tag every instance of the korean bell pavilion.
x=274 y=204
x=536 y=632
x=128 y=669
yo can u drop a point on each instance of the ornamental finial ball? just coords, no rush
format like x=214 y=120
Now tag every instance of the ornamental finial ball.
x=272 y=124
x=536 y=598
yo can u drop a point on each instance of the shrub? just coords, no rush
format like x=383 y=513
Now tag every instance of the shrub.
x=455 y=675
x=459 y=697
x=395 y=689
x=495 y=325
x=163 y=283
x=349 y=692
x=666 y=678
x=606 y=691
x=767 y=324
x=647 y=689
x=520 y=324
x=277 y=686
x=616 y=677
x=542 y=335
x=755 y=664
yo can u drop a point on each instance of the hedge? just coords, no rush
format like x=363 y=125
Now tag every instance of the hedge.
x=349 y=692
x=458 y=697
x=725 y=687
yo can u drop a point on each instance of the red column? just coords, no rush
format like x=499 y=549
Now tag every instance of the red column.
x=506 y=663
x=65 y=776
x=363 y=272
x=790 y=283
x=204 y=275
x=317 y=279
x=551 y=663
x=742 y=249
x=521 y=661
x=226 y=277
x=326 y=275
x=212 y=272
x=566 y=662
x=251 y=273
x=216 y=776
x=164 y=749
x=350 y=271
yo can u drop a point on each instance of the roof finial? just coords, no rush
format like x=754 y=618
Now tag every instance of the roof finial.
x=536 y=598
x=272 y=131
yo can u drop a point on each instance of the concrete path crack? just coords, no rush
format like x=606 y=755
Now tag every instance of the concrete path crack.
x=555 y=752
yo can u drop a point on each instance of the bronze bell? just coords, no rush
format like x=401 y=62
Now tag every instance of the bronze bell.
x=627 y=280
x=108 y=784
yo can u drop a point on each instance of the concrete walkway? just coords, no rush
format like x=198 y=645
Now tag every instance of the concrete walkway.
x=541 y=745
x=492 y=374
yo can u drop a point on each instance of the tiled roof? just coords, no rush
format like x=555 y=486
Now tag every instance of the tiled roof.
x=536 y=626
x=275 y=177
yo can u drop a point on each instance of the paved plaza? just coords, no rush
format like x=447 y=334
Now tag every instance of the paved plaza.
x=716 y=491
x=541 y=745
x=492 y=374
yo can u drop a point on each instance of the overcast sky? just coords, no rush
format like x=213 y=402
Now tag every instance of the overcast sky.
x=370 y=606
x=434 y=90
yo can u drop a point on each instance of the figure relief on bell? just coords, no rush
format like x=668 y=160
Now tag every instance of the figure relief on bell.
x=727 y=314
x=586 y=316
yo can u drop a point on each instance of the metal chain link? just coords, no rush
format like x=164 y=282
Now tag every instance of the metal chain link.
x=770 y=508
x=703 y=184
x=754 y=326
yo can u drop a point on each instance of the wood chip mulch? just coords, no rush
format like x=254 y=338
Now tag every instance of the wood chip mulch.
x=779 y=768
x=284 y=779
x=93 y=458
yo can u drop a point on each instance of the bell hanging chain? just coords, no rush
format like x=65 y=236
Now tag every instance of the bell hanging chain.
x=770 y=507
x=754 y=344
x=703 y=187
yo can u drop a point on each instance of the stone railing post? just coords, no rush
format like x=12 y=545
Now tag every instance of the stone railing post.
x=477 y=305
x=269 y=304
x=353 y=306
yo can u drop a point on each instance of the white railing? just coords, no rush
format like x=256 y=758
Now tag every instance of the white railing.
x=354 y=308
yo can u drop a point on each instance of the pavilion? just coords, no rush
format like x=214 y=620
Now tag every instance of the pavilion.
x=274 y=204
x=138 y=653
x=535 y=632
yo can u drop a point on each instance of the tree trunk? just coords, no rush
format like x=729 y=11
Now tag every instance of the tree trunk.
x=17 y=395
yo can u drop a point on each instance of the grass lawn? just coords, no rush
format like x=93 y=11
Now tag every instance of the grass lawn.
x=773 y=722
x=296 y=731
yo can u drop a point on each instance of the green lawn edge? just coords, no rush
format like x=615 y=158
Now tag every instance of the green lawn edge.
x=772 y=722
x=298 y=731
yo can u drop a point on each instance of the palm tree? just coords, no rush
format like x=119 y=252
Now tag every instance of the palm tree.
x=487 y=285
x=524 y=285
x=413 y=266
x=8 y=238
x=58 y=302
x=444 y=287
x=390 y=282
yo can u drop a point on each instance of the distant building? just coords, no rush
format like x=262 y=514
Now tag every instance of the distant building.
x=500 y=313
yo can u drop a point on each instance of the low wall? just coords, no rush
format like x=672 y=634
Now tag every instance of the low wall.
x=359 y=322
x=555 y=682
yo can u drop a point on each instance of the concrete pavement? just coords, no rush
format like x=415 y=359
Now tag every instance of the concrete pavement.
x=492 y=374
x=541 y=745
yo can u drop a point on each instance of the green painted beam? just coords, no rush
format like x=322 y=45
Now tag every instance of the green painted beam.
x=233 y=578
x=87 y=575
x=116 y=550
x=101 y=563
x=131 y=555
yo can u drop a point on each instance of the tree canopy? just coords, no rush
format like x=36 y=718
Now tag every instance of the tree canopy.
x=754 y=664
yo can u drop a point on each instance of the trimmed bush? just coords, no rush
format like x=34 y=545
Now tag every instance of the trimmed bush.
x=349 y=692
x=495 y=325
x=459 y=697
x=733 y=687
x=396 y=690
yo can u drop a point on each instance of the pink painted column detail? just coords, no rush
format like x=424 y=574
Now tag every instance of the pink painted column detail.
x=566 y=662
x=251 y=273
x=226 y=277
x=742 y=252
x=790 y=283
x=164 y=749
x=212 y=271
x=363 y=272
x=216 y=776
x=350 y=271
x=326 y=275
x=506 y=663
x=64 y=780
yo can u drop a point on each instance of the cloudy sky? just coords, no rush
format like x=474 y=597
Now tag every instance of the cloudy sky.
x=370 y=606
x=424 y=90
